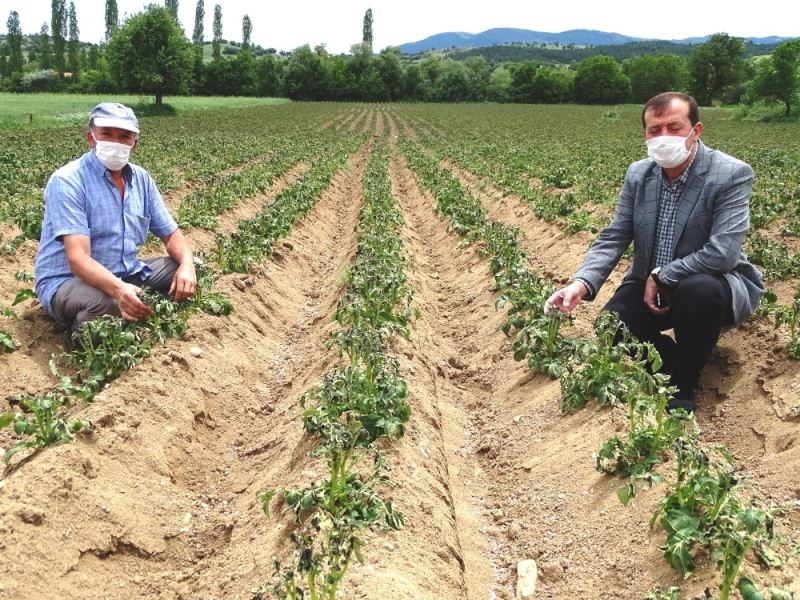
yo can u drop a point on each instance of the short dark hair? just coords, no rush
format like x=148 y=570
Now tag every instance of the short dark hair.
x=658 y=104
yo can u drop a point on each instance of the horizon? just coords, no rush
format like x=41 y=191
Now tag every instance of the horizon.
x=339 y=26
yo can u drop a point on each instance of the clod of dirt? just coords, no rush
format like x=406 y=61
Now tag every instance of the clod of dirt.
x=31 y=515
x=456 y=363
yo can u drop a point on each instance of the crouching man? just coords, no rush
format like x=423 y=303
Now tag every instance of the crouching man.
x=686 y=210
x=98 y=211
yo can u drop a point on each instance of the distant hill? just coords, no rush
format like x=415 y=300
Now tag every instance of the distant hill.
x=565 y=55
x=573 y=37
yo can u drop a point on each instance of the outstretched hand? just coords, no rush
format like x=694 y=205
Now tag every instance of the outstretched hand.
x=566 y=298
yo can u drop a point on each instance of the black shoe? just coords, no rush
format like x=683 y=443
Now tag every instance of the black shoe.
x=685 y=402
x=71 y=338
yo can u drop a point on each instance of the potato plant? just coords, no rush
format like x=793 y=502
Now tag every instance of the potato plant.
x=41 y=422
x=784 y=315
x=704 y=510
x=202 y=207
x=7 y=343
x=652 y=432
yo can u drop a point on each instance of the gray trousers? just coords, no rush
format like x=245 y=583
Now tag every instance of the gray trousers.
x=77 y=302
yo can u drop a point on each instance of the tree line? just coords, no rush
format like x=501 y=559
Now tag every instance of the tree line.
x=557 y=53
x=150 y=53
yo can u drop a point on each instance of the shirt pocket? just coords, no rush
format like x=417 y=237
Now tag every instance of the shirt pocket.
x=137 y=226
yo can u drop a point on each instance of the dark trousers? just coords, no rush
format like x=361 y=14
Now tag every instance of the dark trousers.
x=700 y=306
x=77 y=302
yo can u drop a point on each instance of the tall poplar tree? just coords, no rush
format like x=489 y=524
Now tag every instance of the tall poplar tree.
x=45 y=52
x=172 y=7
x=74 y=46
x=216 y=43
x=247 y=29
x=112 y=18
x=367 y=30
x=199 y=15
x=197 y=43
x=58 y=29
x=14 y=40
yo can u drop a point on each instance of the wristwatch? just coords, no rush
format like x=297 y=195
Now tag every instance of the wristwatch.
x=659 y=282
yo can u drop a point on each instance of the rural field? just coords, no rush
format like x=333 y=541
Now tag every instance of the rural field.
x=386 y=370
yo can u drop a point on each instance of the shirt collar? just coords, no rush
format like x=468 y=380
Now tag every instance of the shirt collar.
x=681 y=178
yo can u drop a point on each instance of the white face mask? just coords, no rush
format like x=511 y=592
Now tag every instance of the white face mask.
x=669 y=150
x=112 y=155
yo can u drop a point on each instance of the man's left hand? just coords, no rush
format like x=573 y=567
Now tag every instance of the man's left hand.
x=650 y=293
x=184 y=283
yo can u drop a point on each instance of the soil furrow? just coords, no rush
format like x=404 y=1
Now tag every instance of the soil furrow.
x=460 y=350
x=203 y=240
x=173 y=198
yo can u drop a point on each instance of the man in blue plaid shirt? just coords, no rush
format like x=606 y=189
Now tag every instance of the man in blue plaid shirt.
x=98 y=212
x=686 y=210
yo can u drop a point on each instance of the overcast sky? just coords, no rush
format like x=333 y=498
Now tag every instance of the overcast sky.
x=287 y=24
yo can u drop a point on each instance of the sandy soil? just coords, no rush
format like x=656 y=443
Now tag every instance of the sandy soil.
x=161 y=501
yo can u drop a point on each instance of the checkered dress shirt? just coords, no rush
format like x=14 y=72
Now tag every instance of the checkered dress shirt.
x=667 y=208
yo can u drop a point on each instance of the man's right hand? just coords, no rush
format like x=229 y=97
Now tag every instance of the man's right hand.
x=566 y=298
x=130 y=305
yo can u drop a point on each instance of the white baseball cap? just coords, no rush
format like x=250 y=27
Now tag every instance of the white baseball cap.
x=114 y=114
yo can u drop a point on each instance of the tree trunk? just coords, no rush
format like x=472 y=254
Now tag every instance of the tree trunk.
x=159 y=98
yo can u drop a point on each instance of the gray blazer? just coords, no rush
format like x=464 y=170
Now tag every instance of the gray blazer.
x=710 y=224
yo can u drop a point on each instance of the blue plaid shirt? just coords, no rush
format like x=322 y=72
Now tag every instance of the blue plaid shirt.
x=81 y=199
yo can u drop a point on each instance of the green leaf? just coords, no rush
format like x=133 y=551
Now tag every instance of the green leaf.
x=6 y=420
x=23 y=295
x=768 y=556
x=266 y=498
x=677 y=555
x=749 y=590
x=683 y=523
x=624 y=494
x=751 y=519
x=7 y=343
x=18 y=447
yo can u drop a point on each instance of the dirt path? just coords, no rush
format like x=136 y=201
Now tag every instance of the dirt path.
x=449 y=338
x=379 y=122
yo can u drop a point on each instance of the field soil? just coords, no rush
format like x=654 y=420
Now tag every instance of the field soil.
x=160 y=501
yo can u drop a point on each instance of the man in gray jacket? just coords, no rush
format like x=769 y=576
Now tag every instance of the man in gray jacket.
x=686 y=210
